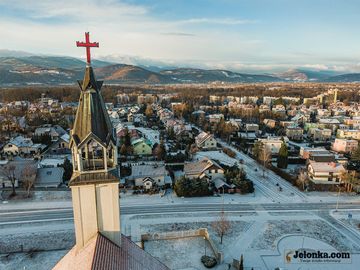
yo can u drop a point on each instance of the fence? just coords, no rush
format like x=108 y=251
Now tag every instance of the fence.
x=202 y=232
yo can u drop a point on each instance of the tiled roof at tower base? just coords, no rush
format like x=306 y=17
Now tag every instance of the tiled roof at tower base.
x=102 y=254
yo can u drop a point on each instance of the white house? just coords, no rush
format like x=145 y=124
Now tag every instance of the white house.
x=204 y=168
x=149 y=175
x=325 y=172
x=22 y=146
x=273 y=144
x=205 y=141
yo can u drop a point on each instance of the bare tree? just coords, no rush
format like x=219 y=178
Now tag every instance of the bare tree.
x=8 y=171
x=264 y=157
x=302 y=179
x=28 y=175
x=221 y=226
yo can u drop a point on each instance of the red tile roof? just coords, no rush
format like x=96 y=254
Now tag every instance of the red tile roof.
x=102 y=254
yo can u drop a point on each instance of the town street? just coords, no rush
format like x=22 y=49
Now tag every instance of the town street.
x=8 y=217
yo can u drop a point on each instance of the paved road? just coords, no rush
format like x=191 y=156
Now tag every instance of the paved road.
x=8 y=217
x=268 y=186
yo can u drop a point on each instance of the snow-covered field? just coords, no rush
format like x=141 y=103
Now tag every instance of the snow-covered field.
x=44 y=260
x=262 y=237
x=180 y=253
x=275 y=229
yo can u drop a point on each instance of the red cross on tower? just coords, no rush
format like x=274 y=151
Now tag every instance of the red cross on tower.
x=87 y=44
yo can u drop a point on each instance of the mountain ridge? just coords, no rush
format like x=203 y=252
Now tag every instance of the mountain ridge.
x=57 y=70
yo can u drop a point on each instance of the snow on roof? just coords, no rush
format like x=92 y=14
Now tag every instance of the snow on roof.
x=202 y=137
x=329 y=121
x=66 y=137
x=49 y=177
x=152 y=135
x=50 y=162
x=220 y=156
x=21 y=141
x=326 y=166
x=200 y=166
x=147 y=171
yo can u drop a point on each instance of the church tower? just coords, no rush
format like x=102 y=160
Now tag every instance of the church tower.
x=94 y=184
x=95 y=189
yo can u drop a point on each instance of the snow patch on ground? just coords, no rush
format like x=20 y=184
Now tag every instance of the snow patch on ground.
x=318 y=229
x=44 y=260
x=180 y=253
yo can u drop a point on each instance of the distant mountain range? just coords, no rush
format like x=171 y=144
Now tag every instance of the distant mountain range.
x=20 y=69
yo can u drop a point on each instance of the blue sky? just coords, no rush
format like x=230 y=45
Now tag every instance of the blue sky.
x=251 y=35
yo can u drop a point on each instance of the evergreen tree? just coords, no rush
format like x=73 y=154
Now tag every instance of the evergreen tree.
x=68 y=170
x=123 y=150
x=160 y=151
x=282 y=160
x=257 y=149
x=127 y=138
x=191 y=187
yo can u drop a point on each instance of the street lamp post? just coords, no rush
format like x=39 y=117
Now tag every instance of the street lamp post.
x=205 y=245
x=337 y=202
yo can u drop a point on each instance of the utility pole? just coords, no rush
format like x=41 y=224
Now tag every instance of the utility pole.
x=337 y=202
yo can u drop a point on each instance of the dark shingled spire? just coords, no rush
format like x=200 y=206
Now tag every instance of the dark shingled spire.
x=92 y=116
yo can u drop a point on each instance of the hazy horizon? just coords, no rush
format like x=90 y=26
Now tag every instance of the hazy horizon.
x=258 y=35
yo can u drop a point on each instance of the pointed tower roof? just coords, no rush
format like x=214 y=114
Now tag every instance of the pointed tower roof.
x=92 y=117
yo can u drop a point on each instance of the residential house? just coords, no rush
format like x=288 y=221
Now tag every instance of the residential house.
x=148 y=176
x=148 y=98
x=205 y=141
x=348 y=134
x=273 y=144
x=279 y=109
x=264 y=108
x=137 y=118
x=49 y=177
x=55 y=132
x=153 y=136
x=323 y=112
x=141 y=147
x=215 y=118
x=270 y=123
x=204 y=167
x=22 y=146
x=214 y=99
x=286 y=124
x=330 y=123
x=60 y=147
x=320 y=134
x=294 y=133
x=325 y=172
x=306 y=152
x=252 y=128
x=344 y=145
